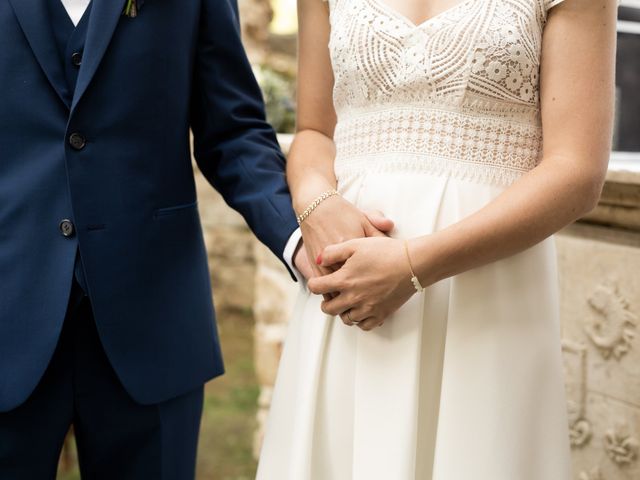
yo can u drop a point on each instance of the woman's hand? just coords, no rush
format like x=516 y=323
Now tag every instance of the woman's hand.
x=373 y=282
x=337 y=220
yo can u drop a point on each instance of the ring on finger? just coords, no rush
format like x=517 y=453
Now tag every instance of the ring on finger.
x=351 y=321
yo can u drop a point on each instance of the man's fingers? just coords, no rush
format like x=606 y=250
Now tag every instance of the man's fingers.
x=301 y=262
x=379 y=221
x=335 y=254
x=325 y=285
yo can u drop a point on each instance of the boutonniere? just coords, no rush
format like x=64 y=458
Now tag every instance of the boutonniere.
x=132 y=8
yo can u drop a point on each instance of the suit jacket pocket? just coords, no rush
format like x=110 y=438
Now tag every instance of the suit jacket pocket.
x=175 y=210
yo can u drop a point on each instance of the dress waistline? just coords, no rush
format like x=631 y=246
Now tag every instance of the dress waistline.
x=444 y=142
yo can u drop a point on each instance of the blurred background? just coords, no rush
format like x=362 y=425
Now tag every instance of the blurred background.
x=599 y=259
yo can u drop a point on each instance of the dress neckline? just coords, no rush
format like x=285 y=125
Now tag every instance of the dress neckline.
x=392 y=11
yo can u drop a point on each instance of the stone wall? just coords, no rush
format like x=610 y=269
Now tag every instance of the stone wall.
x=230 y=246
x=256 y=16
x=600 y=292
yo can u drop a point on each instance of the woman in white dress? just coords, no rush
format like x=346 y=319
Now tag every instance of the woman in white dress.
x=480 y=128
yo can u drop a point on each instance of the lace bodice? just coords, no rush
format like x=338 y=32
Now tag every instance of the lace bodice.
x=456 y=94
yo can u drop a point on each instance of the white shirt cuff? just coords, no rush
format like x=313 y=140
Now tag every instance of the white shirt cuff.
x=289 y=250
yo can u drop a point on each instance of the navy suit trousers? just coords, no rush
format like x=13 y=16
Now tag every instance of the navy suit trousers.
x=117 y=438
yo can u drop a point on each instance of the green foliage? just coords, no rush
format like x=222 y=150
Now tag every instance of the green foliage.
x=278 y=91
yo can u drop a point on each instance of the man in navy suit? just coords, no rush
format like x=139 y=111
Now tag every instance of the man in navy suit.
x=106 y=316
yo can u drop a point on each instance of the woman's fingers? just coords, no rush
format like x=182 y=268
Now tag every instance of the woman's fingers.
x=336 y=254
x=344 y=307
x=354 y=316
x=327 y=284
x=337 y=305
x=370 y=323
x=318 y=270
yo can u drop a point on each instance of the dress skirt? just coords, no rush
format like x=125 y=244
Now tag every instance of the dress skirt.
x=464 y=382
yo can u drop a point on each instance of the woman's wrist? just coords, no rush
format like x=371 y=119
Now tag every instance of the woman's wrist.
x=307 y=192
x=315 y=204
x=425 y=260
x=417 y=285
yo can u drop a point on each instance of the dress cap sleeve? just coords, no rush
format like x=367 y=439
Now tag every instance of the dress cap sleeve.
x=549 y=4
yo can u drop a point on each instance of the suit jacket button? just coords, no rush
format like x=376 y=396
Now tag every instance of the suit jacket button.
x=77 y=141
x=67 y=228
x=76 y=59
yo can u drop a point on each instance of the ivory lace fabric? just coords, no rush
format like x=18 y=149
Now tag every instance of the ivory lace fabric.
x=459 y=90
x=465 y=381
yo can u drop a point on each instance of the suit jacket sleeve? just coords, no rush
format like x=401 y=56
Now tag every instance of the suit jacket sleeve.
x=234 y=146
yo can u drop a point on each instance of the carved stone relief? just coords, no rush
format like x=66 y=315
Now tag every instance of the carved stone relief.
x=600 y=301
x=576 y=369
x=620 y=445
x=613 y=330
x=593 y=474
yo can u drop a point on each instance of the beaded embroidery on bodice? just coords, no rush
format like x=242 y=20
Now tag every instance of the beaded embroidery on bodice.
x=455 y=94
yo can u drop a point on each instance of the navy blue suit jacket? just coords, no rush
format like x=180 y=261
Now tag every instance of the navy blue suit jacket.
x=143 y=84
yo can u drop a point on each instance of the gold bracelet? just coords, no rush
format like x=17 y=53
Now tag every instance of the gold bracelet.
x=304 y=215
x=414 y=277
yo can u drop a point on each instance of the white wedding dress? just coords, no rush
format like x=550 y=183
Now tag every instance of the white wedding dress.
x=465 y=381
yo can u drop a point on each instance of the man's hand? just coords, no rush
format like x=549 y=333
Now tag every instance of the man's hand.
x=379 y=221
x=302 y=263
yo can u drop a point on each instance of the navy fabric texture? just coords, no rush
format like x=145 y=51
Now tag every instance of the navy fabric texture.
x=112 y=155
x=116 y=437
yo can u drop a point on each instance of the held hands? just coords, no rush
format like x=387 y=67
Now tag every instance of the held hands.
x=335 y=221
x=347 y=257
x=371 y=279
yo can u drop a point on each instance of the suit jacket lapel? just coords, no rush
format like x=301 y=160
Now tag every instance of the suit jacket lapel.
x=36 y=25
x=105 y=15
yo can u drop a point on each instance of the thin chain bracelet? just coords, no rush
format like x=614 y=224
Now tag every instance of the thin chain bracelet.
x=304 y=215
x=414 y=278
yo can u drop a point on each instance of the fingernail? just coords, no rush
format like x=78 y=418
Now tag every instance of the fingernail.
x=319 y=259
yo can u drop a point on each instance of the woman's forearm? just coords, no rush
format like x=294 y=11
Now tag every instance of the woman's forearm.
x=310 y=167
x=553 y=195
